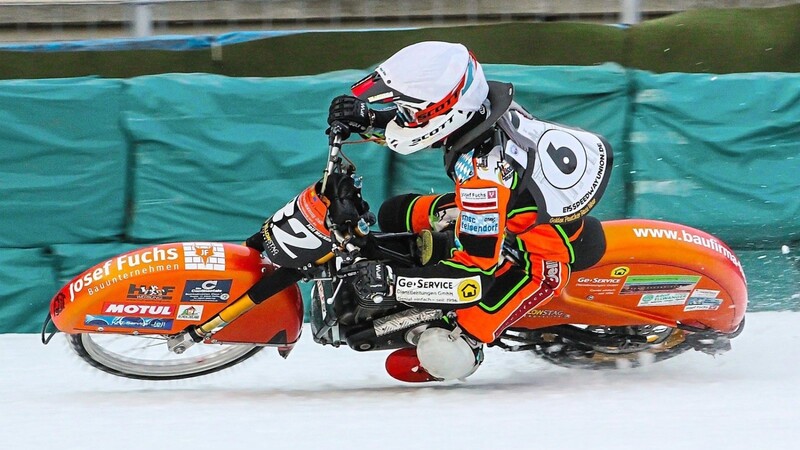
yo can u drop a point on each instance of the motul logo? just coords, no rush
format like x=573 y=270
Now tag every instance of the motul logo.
x=139 y=310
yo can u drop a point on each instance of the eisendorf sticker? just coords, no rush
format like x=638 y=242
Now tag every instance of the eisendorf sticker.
x=480 y=224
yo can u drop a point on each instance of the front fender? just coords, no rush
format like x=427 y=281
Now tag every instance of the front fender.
x=165 y=288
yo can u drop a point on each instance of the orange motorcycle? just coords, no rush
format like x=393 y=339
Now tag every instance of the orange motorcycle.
x=176 y=310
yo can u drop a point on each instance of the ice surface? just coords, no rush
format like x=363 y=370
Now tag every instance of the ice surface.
x=327 y=398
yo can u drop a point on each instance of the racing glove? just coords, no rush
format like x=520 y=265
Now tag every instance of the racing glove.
x=373 y=281
x=346 y=205
x=352 y=112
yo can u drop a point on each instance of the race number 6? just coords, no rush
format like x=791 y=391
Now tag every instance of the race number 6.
x=565 y=163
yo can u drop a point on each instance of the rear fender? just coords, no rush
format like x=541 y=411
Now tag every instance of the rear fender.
x=652 y=272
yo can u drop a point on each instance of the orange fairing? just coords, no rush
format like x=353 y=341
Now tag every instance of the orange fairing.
x=652 y=273
x=165 y=288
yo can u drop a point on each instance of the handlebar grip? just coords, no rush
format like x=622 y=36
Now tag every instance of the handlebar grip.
x=339 y=129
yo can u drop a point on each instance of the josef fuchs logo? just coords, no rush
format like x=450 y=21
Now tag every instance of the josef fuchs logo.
x=204 y=256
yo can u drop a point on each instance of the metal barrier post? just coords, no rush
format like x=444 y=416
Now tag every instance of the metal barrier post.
x=631 y=12
x=142 y=18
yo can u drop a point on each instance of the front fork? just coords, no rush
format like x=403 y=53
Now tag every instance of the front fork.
x=265 y=288
x=179 y=343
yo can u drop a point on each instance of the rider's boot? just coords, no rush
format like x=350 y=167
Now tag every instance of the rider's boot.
x=441 y=354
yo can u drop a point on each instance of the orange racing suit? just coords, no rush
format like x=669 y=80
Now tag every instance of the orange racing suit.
x=489 y=205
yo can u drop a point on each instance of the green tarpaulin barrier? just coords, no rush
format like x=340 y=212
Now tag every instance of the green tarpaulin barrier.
x=63 y=161
x=720 y=153
x=773 y=279
x=214 y=155
x=27 y=283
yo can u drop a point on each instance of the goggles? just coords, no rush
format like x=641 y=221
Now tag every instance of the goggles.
x=373 y=89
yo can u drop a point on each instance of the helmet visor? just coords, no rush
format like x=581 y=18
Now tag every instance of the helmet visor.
x=373 y=89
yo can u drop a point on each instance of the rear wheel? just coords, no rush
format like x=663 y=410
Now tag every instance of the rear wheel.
x=599 y=347
x=661 y=343
x=146 y=357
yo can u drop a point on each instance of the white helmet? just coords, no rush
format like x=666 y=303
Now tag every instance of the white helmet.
x=436 y=86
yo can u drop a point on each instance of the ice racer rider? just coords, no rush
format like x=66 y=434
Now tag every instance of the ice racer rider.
x=517 y=178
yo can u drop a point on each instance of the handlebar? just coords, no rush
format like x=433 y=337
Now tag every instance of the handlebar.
x=338 y=133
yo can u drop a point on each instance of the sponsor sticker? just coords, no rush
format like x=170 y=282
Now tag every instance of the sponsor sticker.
x=705 y=293
x=314 y=211
x=619 y=272
x=128 y=322
x=149 y=292
x=469 y=290
x=483 y=199
x=209 y=291
x=190 y=312
x=685 y=236
x=546 y=314
x=703 y=304
x=517 y=153
x=598 y=281
x=438 y=290
x=639 y=284
x=663 y=299
x=479 y=224
x=492 y=168
x=505 y=173
x=150 y=260
x=599 y=286
x=204 y=256
x=139 y=309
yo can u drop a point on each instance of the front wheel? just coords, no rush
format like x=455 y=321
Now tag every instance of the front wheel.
x=146 y=357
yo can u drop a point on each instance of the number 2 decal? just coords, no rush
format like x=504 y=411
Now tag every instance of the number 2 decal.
x=301 y=238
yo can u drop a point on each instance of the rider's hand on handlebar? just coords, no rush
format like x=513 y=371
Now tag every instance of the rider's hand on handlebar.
x=373 y=280
x=345 y=204
x=352 y=112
